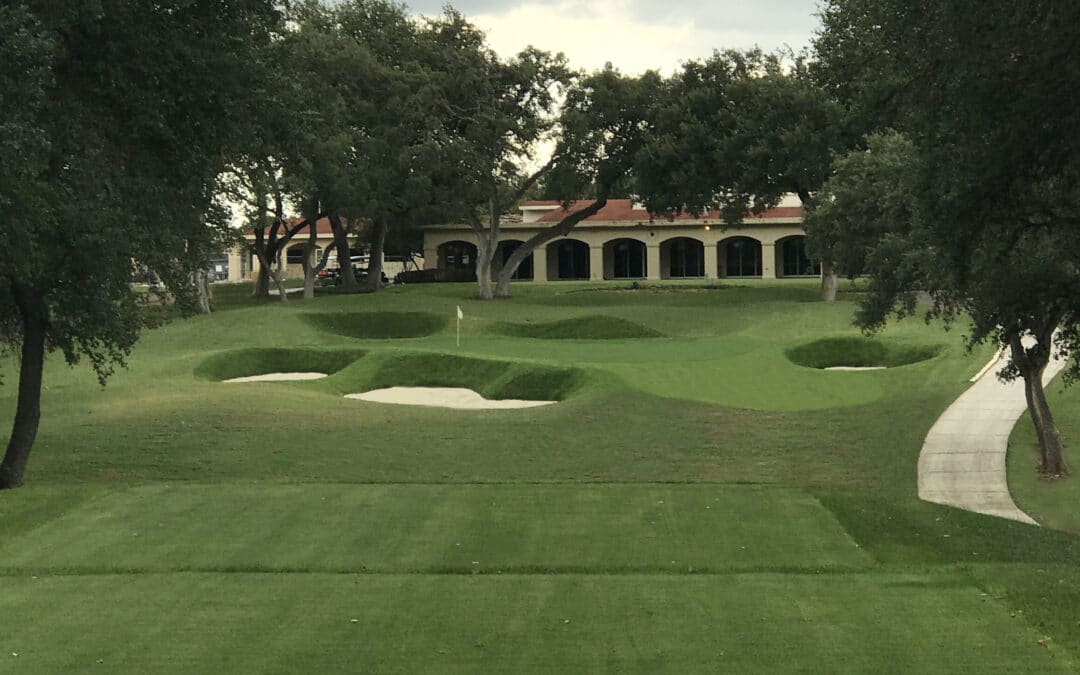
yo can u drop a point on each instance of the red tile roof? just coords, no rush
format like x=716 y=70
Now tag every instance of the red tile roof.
x=322 y=226
x=623 y=209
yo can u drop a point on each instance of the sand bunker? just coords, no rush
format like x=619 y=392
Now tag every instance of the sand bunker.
x=443 y=397
x=279 y=377
x=855 y=368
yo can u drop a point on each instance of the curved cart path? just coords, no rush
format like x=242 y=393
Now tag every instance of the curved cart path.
x=962 y=462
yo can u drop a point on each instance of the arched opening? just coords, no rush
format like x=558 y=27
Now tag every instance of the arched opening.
x=682 y=258
x=791 y=258
x=457 y=261
x=568 y=259
x=295 y=254
x=740 y=257
x=625 y=259
x=505 y=250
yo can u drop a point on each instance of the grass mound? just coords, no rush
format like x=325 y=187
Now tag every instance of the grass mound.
x=491 y=379
x=859 y=352
x=581 y=328
x=246 y=362
x=379 y=325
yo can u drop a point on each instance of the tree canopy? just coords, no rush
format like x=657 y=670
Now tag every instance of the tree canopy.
x=118 y=117
x=970 y=196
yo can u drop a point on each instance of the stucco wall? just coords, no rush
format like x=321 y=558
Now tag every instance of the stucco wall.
x=656 y=236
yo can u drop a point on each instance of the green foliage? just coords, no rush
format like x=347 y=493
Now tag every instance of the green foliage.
x=853 y=351
x=260 y=361
x=739 y=130
x=868 y=200
x=378 y=325
x=970 y=203
x=109 y=158
x=596 y=327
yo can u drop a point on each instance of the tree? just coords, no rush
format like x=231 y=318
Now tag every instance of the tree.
x=976 y=200
x=109 y=159
x=355 y=108
x=498 y=113
x=741 y=130
x=603 y=125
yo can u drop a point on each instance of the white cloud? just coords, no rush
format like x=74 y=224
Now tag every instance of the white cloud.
x=593 y=33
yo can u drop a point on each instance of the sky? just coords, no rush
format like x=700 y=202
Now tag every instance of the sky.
x=636 y=35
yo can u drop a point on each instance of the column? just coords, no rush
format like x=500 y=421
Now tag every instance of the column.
x=712 y=267
x=236 y=264
x=768 y=261
x=431 y=258
x=596 y=263
x=540 y=263
x=652 y=262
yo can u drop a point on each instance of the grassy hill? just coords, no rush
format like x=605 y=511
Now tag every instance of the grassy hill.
x=704 y=497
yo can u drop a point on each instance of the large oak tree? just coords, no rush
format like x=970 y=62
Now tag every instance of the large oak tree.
x=117 y=116
x=975 y=202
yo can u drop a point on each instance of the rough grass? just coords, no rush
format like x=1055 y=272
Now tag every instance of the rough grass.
x=378 y=325
x=596 y=327
x=860 y=351
x=260 y=361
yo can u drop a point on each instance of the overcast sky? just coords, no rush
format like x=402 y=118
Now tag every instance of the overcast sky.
x=636 y=35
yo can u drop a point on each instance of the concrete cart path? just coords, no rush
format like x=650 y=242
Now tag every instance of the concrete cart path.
x=962 y=462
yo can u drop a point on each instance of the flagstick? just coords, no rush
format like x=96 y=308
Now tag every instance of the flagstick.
x=459 y=333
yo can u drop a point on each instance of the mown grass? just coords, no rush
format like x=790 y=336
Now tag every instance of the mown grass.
x=1054 y=503
x=494 y=379
x=464 y=529
x=290 y=623
x=582 y=328
x=860 y=351
x=296 y=511
x=379 y=325
x=260 y=361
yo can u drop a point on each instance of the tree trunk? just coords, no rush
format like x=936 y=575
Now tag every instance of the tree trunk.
x=262 y=281
x=204 y=294
x=375 y=258
x=278 y=275
x=1032 y=364
x=560 y=229
x=1051 y=450
x=484 y=254
x=310 y=270
x=309 y=277
x=341 y=243
x=829 y=283
x=28 y=409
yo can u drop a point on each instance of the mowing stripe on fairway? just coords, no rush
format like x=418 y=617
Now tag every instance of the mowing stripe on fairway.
x=440 y=528
x=759 y=623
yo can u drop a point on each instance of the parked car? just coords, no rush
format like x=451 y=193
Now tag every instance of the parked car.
x=360 y=271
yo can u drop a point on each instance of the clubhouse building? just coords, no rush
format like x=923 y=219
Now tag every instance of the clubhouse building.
x=621 y=241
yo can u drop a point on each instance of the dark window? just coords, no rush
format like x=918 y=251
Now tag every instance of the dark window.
x=743 y=257
x=295 y=255
x=796 y=264
x=525 y=269
x=686 y=258
x=573 y=259
x=629 y=259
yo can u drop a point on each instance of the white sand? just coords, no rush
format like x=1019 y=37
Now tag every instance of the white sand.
x=279 y=377
x=443 y=397
x=856 y=368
